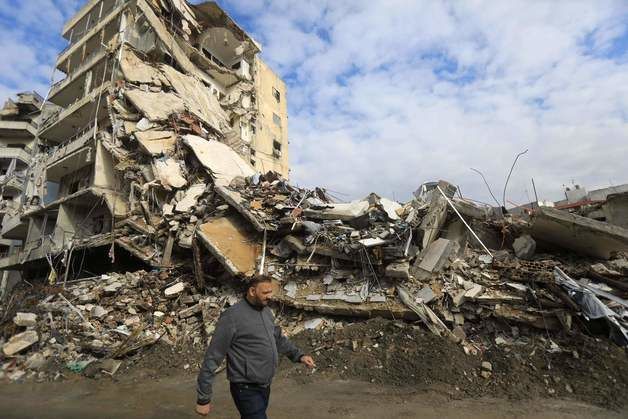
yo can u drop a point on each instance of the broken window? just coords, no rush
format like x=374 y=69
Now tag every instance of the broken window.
x=74 y=187
x=98 y=224
x=277 y=95
x=237 y=65
x=213 y=58
x=276 y=119
x=76 y=181
x=276 y=148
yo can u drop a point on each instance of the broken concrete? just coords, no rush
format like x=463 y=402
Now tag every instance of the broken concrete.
x=19 y=342
x=155 y=143
x=524 y=247
x=399 y=270
x=580 y=234
x=231 y=242
x=157 y=106
x=223 y=163
x=25 y=319
x=436 y=255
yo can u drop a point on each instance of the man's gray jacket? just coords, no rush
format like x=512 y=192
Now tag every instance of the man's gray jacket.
x=251 y=341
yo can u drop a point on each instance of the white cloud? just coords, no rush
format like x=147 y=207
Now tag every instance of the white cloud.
x=387 y=94
x=30 y=42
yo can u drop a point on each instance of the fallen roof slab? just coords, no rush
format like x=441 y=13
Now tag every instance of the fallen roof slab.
x=236 y=200
x=198 y=98
x=388 y=310
x=137 y=71
x=342 y=211
x=157 y=106
x=577 y=233
x=232 y=243
x=155 y=143
x=220 y=159
x=190 y=198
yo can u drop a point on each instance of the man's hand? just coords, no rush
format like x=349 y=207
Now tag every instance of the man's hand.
x=308 y=361
x=203 y=409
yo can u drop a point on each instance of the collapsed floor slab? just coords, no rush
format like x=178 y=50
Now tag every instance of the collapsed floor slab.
x=580 y=234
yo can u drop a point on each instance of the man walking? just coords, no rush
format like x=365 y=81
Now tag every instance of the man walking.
x=247 y=335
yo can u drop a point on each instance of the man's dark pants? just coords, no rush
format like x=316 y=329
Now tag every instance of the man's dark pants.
x=251 y=400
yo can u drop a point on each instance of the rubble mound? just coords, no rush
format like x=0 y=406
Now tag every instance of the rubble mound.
x=93 y=326
x=401 y=354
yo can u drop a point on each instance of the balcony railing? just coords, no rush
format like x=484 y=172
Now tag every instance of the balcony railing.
x=66 y=147
x=84 y=34
x=69 y=110
x=52 y=118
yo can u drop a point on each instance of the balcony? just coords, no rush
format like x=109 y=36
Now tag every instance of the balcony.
x=33 y=250
x=63 y=125
x=13 y=182
x=58 y=94
x=74 y=20
x=16 y=246
x=11 y=261
x=14 y=227
x=73 y=144
x=12 y=129
x=102 y=23
x=82 y=156
x=11 y=153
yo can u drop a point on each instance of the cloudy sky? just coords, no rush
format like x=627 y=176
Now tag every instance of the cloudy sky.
x=387 y=94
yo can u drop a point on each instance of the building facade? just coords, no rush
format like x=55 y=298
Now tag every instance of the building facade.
x=137 y=76
x=19 y=119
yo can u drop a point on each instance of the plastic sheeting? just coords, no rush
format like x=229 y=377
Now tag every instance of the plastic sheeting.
x=592 y=307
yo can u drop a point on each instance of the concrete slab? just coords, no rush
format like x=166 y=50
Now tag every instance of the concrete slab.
x=232 y=243
x=436 y=255
x=580 y=234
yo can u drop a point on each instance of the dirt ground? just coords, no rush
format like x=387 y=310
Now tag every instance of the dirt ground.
x=582 y=368
x=374 y=369
x=173 y=397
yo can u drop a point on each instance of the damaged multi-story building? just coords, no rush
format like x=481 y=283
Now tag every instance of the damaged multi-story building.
x=19 y=119
x=148 y=84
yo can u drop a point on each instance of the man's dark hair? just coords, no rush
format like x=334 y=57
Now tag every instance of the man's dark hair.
x=253 y=281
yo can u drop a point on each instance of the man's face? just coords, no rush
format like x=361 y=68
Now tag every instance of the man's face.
x=261 y=293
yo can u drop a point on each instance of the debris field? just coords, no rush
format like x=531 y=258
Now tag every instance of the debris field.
x=436 y=291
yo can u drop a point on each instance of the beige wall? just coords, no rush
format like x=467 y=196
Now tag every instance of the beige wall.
x=104 y=172
x=267 y=130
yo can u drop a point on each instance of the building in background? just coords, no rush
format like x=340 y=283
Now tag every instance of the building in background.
x=139 y=75
x=19 y=118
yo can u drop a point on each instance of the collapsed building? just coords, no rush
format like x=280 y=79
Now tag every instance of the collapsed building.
x=168 y=150
x=140 y=75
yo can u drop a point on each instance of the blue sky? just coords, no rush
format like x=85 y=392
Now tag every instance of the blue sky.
x=384 y=95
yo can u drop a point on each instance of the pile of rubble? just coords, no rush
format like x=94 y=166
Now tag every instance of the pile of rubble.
x=182 y=197
x=427 y=260
x=90 y=325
